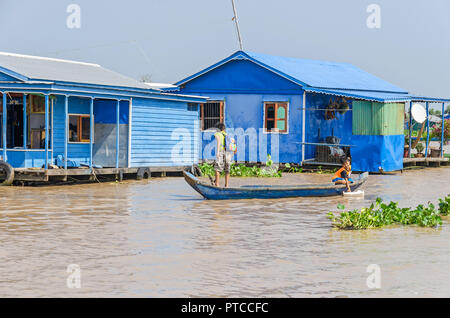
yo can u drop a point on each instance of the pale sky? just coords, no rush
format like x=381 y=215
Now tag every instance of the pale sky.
x=172 y=39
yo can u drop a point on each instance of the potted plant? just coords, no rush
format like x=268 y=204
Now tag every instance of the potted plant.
x=406 y=151
x=406 y=148
x=419 y=148
x=435 y=152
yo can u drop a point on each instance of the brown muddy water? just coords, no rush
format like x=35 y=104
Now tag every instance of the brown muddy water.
x=158 y=238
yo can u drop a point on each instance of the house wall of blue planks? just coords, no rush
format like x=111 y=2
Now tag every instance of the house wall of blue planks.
x=163 y=133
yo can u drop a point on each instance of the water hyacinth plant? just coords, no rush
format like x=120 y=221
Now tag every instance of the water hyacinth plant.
x=380 y=214
x=207 y=169
x=241 y=170
x=292 y=169
x=444 y=206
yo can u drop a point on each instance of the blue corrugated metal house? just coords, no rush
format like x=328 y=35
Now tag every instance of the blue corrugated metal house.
x=55 y=109
x=303 y=102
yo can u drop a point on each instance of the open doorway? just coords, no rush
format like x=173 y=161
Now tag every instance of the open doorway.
x=14 y=128
x=14 y=121
x=35 y=122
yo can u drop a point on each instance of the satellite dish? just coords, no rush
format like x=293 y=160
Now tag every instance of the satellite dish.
x=419 y=113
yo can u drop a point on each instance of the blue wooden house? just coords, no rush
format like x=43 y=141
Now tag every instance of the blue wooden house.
x=67 y=113
x=306 y=107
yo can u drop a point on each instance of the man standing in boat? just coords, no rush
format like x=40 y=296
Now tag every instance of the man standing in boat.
x=224 y=153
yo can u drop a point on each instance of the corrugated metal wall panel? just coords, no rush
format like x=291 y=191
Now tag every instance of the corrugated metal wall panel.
x=394 y=116
x=372 y=118
x=154 y=137
x=362 y=118
x=378 y=119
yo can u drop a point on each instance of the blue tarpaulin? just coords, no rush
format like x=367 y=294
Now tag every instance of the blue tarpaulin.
x=105 y=112
x=372 y=153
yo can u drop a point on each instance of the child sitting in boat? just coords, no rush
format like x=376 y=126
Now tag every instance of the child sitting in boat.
x=342 y=176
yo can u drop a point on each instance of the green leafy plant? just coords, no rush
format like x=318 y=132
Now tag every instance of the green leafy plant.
x=419 y=147
x=325 y=171
x=291 y=169
x=406 y=139
x=380 y=214
x=444 y=206
x=269 y=161
x=207 y=169
x=241 y=170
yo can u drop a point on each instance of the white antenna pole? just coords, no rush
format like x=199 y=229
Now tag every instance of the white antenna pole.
x=235 y=18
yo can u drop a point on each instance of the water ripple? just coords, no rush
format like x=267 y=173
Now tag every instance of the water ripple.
x=159 y=238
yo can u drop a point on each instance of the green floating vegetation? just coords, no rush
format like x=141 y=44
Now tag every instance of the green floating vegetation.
x=241 y=170
x=292 y=169
x=207 y=169
x=326 y=171
x=444 y=206
x=380 y=214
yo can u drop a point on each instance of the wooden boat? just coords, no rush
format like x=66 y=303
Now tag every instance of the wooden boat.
x=270 y=192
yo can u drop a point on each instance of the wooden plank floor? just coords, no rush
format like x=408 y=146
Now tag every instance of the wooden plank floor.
x=42 y=175
x=426 y=162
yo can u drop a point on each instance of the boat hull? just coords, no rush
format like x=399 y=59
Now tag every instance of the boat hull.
x=269 y=192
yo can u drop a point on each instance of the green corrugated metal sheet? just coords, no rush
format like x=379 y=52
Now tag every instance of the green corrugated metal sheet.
x=372 y=118
x=362 y=118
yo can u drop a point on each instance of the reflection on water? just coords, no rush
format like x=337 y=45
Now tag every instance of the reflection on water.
x=159 y=238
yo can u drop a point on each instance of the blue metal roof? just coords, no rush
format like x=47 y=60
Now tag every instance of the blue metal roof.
x=366 y=95
x=415 y=98
x=377 y=96
x=312 y=73
x=322 y=74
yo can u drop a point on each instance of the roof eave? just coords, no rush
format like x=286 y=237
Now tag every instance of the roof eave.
x=101 y=86
x=425 y=99
x=400 y=98
x=13 y=74
x=55 y=88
